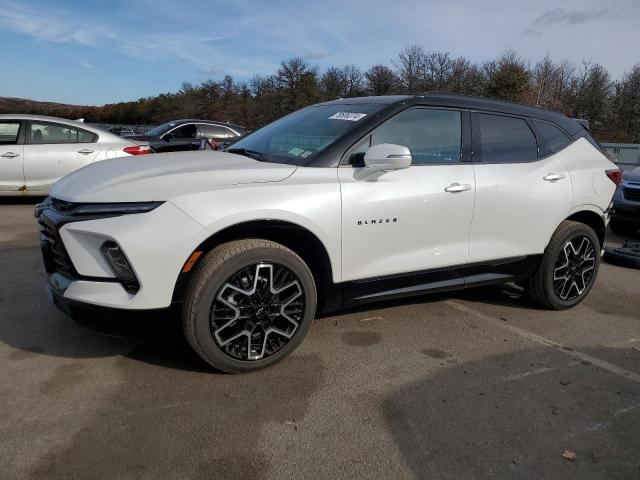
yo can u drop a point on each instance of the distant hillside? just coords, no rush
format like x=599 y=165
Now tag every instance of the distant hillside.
x=23 y=105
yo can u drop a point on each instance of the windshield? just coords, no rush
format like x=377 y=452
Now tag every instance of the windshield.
x=297 y=138
x=158 y=131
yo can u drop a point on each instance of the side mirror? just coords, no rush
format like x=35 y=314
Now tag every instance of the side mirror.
x=167 y=137
x=387 y=157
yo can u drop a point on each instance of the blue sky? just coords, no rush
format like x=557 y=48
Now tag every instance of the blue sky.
x=95 y=52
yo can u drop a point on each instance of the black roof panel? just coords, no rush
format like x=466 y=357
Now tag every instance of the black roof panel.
x=470 y=102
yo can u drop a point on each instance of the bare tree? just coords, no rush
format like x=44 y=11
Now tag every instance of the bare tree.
x=628 y=92
x=411 y=69
x=380 y=80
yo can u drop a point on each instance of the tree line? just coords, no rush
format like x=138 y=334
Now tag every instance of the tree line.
x=586 y=90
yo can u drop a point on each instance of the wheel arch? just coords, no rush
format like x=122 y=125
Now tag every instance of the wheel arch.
x=299 y=239
x=592 y=217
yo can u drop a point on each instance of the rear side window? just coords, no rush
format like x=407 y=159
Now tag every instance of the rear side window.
x=555 y=137
x=213 y=131
x=506 y=139
x=9 y=132
x=53 y=133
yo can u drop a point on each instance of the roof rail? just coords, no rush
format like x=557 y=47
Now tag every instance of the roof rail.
x=584 y=123
x=490 y=99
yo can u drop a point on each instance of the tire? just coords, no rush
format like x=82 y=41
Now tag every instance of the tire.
x=248 y=285
x=569 y=267
x=626 y=256
x=622 y=228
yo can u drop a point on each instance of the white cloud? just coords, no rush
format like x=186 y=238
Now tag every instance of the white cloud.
x=87 y=65
x=243 y=37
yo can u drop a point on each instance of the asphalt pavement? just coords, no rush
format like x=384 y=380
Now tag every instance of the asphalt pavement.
x=477 y=384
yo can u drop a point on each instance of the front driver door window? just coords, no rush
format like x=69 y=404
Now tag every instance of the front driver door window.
x=185 y=132
x=427 y=227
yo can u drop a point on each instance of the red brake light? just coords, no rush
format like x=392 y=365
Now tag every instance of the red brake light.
x=137 y=150
x=615 y=176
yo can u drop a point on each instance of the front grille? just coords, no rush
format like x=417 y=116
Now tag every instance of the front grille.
x=55 y=255
x=632 y=193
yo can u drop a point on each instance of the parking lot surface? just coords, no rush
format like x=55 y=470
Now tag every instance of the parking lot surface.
x=477 y=384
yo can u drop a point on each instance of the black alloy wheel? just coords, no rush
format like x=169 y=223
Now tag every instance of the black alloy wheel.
x=248 y=304
x=257 y=311
x=574 y=268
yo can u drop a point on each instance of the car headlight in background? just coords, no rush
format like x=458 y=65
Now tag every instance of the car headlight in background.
x=120 y=266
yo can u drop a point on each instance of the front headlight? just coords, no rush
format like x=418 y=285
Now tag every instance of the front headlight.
x=121 y=208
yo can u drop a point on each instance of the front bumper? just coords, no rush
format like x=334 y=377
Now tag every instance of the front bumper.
x=156 y=243
x=83 y=311
x=627 y=209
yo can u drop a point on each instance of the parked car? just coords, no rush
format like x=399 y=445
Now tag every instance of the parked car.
x=122 y=131
x=341 y=203
x=35 y=151
x=180 y=135
x=625 y=218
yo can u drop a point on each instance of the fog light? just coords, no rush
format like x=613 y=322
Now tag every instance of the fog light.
x=120 y=266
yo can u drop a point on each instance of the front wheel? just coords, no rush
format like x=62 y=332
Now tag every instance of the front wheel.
x=249 y=304
x=568 y=268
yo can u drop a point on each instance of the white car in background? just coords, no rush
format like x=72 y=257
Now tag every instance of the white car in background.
x=36 y=151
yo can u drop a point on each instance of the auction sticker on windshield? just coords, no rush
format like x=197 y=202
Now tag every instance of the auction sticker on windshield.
x=350 y=116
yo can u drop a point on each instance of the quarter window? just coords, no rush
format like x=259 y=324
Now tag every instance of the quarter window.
x=86 y=137
x=555 y=137
x=433 y=136
x=506 y=139
x=9 y=132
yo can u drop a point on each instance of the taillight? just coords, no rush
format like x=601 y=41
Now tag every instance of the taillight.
x=137 y=150
x=615 y=176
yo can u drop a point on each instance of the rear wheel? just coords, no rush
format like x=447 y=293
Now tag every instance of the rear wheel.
x=249 y=304
x=568 y=268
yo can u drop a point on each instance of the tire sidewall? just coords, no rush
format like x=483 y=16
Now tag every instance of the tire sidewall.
x=577 y=230
x=216 y=278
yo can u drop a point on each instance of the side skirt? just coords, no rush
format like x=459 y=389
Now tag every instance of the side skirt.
x=439 y=280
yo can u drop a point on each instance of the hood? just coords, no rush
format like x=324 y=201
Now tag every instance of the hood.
x=162 y=176
x=632 y=175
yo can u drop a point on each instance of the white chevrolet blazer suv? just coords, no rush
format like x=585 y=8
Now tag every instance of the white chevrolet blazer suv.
x=341 y=203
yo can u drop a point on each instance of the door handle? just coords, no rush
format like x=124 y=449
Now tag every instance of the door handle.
x=457 y=187
x=11 y=155
x=85 y=151
x=553 y=177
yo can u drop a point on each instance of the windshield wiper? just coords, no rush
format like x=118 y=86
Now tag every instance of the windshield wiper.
x=246 y=152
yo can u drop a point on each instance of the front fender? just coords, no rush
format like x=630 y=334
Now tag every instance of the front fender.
x=315 y=208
